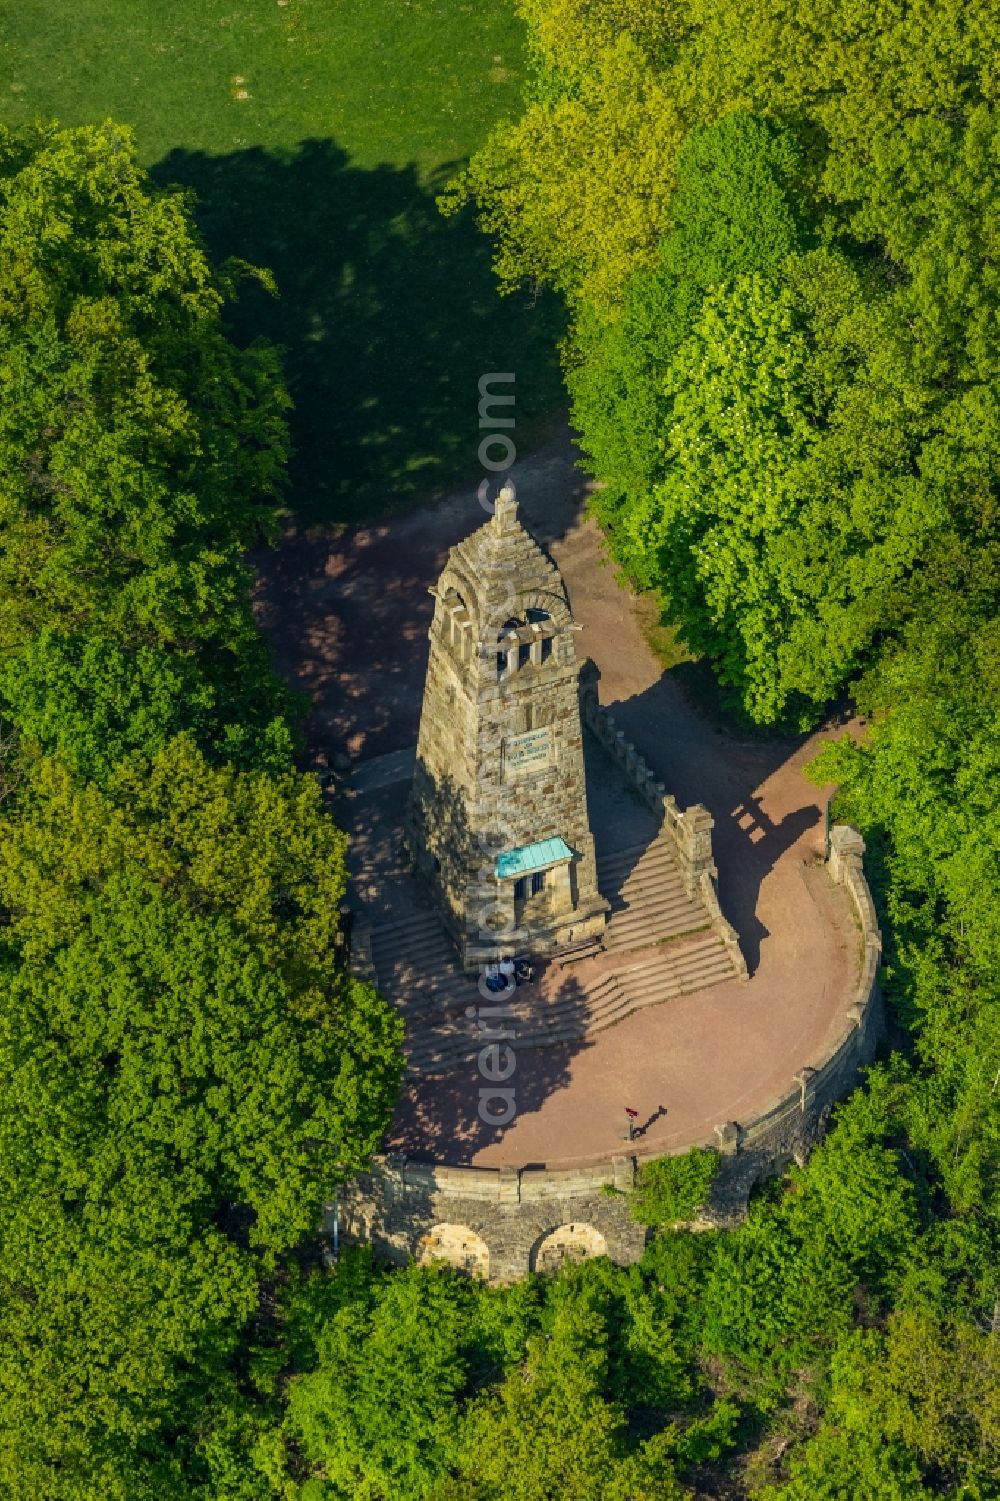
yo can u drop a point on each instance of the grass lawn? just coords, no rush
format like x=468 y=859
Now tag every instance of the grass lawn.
x=315 y=134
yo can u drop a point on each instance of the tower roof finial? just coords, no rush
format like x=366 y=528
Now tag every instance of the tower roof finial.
x=505 y=510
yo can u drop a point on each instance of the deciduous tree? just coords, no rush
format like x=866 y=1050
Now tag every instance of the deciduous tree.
x=189 y=1073
x=140 y=450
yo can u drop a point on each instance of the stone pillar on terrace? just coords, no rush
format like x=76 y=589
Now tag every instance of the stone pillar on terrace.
x=694 y=846
x=846 y=850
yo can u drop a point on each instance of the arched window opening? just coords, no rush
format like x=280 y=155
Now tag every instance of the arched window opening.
x=459 y=1246
x=458 y=622
x=524 y=642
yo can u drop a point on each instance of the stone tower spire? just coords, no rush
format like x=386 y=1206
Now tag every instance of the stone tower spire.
x=497 y=819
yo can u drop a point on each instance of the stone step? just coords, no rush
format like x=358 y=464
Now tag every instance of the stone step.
x=652 y=928
x=635 y=855
x=705 y=964
x=541 y=1021
x=402 y=974
x=426 y=962
x=429 y=985
x=431 y=995
x=658 y=858
x=408 y=928
x=408 y=969
x=641 y=929
x=666 y=892
x=423 y=994
x=661 y=878
x=450 y=991
x=645 y=925
x=677 y=955
x=656 y=878
x=657 y=867
x=656 y=873
x=433 y=1005
x=537 y=1008
x=673 y=970
x=663 y=988
x=663 y=898
x=430 y=998
x=416 y=965
x=630 y=854
x=419 y=941
x=406 y=945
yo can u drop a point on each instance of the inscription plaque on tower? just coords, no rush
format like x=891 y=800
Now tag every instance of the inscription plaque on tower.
x=523 y=754
x=502 y=656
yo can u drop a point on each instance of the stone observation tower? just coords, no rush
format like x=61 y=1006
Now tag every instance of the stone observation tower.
x=497 y=818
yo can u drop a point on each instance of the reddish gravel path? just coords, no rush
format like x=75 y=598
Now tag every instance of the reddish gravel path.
x=348 y=616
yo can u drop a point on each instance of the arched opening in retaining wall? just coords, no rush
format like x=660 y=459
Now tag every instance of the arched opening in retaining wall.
x=459 y=1246
x=576 y=1242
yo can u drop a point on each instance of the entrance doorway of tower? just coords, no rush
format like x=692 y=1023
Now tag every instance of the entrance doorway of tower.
x=540 y=876
x=526 y=887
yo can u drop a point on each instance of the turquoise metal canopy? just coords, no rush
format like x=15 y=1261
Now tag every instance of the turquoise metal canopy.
x=532 y=857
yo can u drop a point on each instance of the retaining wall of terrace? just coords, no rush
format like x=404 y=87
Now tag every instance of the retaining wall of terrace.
x=502 y=1223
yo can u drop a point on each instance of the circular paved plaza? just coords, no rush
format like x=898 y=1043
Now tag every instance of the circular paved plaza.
x=348 y=615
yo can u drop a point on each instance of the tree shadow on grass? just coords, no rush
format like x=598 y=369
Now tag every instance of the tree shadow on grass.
x=389 y=315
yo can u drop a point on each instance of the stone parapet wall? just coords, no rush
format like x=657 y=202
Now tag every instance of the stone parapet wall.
x=787 y=1127
x=524 y=1217
x=722 y=926
x=362 y=962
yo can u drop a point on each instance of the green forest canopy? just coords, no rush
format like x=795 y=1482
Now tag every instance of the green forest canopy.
x=775 y=236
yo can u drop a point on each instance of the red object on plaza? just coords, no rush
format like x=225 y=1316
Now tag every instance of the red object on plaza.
x=633 y=1113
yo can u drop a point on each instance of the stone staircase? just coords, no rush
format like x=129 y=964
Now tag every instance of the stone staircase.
x=545 y=1016
x=416 y=967
x=648 y=900
x=659 y=944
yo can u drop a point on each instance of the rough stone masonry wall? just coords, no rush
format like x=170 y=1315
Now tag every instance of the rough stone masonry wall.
x=469 y=801
x=398 y=1206
x=545 y=802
